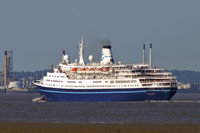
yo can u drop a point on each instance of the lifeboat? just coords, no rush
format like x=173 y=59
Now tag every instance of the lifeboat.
x=83 y=69
x=91 y=69
x=74 y=69
x=107 y=68
x=100 y=69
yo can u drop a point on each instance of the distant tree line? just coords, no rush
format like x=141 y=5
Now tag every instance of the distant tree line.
x=28 y=75
x=34 y=75
x=187 y=76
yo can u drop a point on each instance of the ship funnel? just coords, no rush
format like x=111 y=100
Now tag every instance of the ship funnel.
x=106 y=55
x=150 y=56
x=144 y=54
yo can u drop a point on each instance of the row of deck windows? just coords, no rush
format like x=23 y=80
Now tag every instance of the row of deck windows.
x=54 y=81
x=56 y=76
x=90 y=86
x=119 y=81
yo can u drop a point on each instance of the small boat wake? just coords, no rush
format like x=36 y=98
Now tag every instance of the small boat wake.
x=39 y=100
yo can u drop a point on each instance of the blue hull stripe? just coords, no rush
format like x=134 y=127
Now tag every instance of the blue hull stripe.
x=110 y=92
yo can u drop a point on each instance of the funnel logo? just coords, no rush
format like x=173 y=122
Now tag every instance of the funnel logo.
x=102 y=56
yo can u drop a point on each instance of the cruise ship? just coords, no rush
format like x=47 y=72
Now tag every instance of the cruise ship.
x=105 y=81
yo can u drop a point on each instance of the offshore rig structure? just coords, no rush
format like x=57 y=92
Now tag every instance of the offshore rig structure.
x=7 y=73
x=9 y=81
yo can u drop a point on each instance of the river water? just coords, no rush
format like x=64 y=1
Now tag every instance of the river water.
x=18 y=107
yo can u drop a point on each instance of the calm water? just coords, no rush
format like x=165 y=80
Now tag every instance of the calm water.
x=18 y=107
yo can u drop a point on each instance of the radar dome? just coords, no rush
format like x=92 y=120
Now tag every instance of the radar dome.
x=91 y=58
x=66 y=57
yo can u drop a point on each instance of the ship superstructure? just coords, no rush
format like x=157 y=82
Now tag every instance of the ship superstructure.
x=106 y=80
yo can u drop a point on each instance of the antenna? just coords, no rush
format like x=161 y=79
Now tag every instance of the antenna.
x=81 y=60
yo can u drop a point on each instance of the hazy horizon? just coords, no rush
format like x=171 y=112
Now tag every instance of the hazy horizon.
x=38 y=31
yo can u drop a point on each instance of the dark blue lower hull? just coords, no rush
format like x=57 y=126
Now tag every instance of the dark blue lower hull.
x=108 y=95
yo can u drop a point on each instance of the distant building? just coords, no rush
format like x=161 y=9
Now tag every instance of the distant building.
x=184 y=86
x=188 y=86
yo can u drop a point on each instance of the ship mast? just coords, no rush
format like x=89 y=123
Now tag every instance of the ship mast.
x=81 y=60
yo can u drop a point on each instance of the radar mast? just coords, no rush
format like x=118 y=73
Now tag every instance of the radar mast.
x=81 y=44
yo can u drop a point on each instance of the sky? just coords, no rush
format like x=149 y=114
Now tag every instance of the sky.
x=38 y=30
